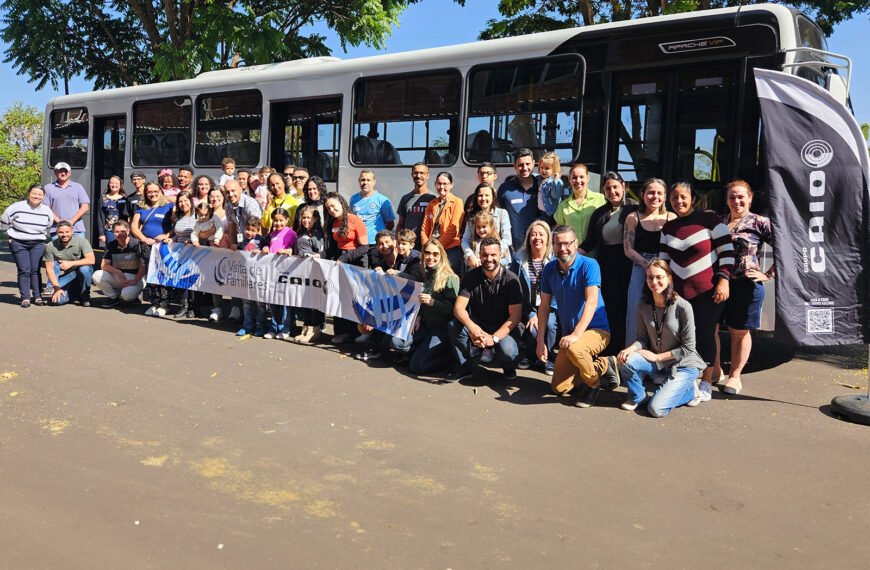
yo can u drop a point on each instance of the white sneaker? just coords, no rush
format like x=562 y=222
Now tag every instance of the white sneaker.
x=282 y=336
x=160 y=312
x=235 y=314
x=706 y=391
x=215 y=315
x=269 y=335
x=152 y=310
x=631 y=406
x=487 y=355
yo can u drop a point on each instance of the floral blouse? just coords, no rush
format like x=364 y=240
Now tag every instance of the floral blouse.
x=747 y=237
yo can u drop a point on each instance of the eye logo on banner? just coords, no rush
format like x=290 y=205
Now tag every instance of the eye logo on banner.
x=222 y=270
x=817 y=154
x=382 y=307
x=179 y=268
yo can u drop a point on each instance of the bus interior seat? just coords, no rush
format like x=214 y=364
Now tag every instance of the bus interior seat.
x=431 y=156
x=479 y=147
x=388 y=153
x=147 y=149
x=364 y=151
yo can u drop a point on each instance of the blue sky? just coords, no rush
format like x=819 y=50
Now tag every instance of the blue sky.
x=423 y=25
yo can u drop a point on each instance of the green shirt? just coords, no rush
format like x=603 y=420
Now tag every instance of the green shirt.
x=76 y=249
x=570 y=214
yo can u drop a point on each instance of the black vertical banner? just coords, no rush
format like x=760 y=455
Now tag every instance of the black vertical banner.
x=818 y=185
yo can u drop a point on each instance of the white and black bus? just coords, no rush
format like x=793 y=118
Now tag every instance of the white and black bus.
x=670 y=96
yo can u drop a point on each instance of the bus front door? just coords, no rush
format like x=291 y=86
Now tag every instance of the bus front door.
x=307 y=133
x=110 y=134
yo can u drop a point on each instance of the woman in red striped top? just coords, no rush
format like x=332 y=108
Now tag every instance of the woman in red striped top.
x=698 y=246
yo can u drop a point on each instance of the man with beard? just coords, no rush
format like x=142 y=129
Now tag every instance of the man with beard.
x=574 y=280
x=487 y=310
x=69 y=265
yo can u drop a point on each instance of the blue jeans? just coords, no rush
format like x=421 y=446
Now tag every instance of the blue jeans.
x=283 y=319
x=253 y=316
x=678 y=389
x=506 y=350
x=531 y=338
x=635 y=289
x=28 y=257
x=431 y=348
x=76 y=283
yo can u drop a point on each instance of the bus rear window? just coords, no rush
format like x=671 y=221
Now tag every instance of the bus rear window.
x=532 y=104
x=161 y=132
x=229 y=125
x=404 y=119
x=69 y=137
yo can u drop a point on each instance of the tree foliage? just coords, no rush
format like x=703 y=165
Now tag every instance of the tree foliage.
x=20 y=151
x=528 y=16
x=126 y=42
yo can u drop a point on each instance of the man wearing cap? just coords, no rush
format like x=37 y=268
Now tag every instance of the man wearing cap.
x=67 y=199
x=138 y=181
x=69 y=264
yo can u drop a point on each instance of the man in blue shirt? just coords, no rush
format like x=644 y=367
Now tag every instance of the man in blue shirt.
x=519 y=196
x=67 y=199
x=373 y=207
x=575 y=280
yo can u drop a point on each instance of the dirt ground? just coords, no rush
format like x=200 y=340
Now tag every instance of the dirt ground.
x=136 y=442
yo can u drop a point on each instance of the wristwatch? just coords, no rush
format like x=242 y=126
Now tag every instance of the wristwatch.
x=495 y=339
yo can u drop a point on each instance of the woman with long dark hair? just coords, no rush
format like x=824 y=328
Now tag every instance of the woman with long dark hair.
x=698 y=246
x=664 y=349
x=604 y=241
x=349 y=244
x=112 y=206
x=483 y=200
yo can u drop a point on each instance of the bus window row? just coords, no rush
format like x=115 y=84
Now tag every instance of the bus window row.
x=397 y=120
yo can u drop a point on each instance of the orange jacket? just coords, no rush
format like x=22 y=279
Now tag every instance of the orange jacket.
x=448 y=220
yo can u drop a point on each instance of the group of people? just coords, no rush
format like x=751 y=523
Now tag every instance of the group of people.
x=594 y=288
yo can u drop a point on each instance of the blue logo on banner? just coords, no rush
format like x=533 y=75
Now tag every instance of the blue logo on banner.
x=180 y=267
x=386 y=307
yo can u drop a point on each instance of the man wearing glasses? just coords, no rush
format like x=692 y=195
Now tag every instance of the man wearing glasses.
x=67 y=200
x=574 y=280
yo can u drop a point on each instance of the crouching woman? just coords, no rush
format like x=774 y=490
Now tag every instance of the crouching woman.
x=665 y=347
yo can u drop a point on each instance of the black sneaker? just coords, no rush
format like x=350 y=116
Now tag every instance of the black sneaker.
x=85 y=303
x=510 y=373
x=587 y=398
x=191 y=313
x=112 y=303
x=368 y=355
x=462 y=373
x=524 y=364
x=610 y=379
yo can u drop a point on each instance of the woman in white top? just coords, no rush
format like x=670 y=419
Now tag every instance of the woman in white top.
x=26 y=223
x=483 y=200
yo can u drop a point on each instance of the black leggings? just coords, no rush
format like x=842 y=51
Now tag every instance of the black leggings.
x=707 y=316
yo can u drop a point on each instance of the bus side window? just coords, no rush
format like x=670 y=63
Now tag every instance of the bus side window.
x=69 y=137
x=161 y=132
x=404 y=119
x=534 y=104
x=229 y=125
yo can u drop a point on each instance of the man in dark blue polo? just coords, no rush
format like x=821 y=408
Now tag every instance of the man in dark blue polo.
x=519 y=196
x=574 y=280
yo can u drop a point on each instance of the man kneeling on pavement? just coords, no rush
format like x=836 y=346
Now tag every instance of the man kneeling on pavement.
x=574 y=280
x=69 y=265
x=487 y=310
x=122 y=270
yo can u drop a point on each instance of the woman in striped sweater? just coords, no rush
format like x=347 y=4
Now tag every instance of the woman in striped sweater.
x=698 y=246
x=27 y=223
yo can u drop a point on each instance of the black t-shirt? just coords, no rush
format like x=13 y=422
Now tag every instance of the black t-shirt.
x=488 y=301
x=412 y=207
x=126 y=258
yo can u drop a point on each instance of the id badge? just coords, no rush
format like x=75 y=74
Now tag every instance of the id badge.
x=537 y=299
x=240 y=237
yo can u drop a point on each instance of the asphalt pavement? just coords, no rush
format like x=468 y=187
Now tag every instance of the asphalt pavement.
x=135 y=442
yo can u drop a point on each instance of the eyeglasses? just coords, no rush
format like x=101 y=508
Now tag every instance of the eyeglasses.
x=561 y=244
x=486 y=173
x=288 y=174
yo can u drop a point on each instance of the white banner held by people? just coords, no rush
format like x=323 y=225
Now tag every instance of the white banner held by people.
x=385 y=302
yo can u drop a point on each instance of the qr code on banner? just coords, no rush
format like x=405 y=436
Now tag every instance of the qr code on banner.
x=820 y=321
